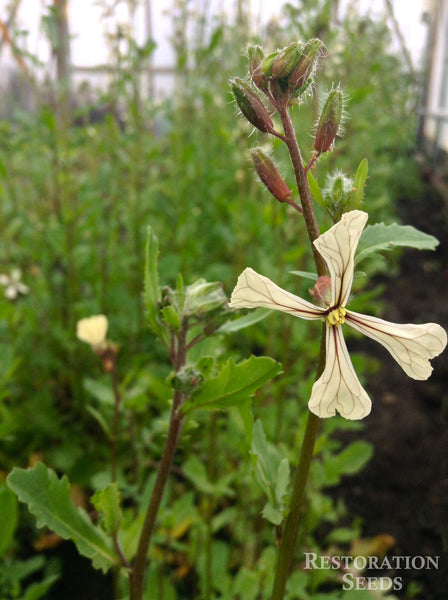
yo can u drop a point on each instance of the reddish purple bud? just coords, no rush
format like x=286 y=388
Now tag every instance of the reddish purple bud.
x=269 y=175
x=322 y=291
x=251 y=106
x=329 y=121
x=256 y=56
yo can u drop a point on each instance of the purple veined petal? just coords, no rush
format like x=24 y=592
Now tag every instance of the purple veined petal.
x=412 y=346
x=254 y=290
x=337 y=246
x=338 y=388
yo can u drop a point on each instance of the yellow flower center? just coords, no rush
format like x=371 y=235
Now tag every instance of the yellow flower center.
x=336 y=316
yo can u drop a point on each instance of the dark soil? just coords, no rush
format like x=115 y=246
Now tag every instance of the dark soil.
x=404 y=489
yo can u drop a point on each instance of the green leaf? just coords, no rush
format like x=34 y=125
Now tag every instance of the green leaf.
x=282 y=479
x=245 y=321
x=171 y=318
x=100 y=420
x=39 y=589
x=48 y=499
x=305 y=274
x=9 y=517
x=272 y=514
x=153 y=294
x=359 y=183
x=196 y=472
x=234 y=384
x=315 y=190
x=107 y=502
x=379 y=237
x=102 y=392
x=266 y=460
x=353 y=458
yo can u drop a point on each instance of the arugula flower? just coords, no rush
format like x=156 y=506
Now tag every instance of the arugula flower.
x=13 y=284
x=338 y=388
x=93 y=330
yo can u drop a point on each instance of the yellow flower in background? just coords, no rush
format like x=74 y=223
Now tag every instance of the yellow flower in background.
x=92 y=330
x=338 y=388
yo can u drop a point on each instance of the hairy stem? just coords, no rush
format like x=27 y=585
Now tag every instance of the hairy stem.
x=302 y=185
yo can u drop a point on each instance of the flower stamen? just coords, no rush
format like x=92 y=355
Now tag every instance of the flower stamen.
x=336 y=316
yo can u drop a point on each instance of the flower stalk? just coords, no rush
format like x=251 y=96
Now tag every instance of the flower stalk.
x=137 y=577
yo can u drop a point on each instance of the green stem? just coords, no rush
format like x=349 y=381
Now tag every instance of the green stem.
x=137 y=578
x=139 y=567
x=292 y=523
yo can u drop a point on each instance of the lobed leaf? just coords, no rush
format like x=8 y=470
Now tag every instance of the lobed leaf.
x=48 y=499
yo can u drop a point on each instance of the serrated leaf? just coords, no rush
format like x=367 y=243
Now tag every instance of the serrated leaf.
x=359 y=183
x=108 y=504
x=376 y=238
x=315 y=190
x=245 y=321
x=48 y=499
x=233 y=384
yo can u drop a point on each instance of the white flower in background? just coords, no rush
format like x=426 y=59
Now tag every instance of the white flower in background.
x=13 y=285
x=92 y=330
x=338 y=388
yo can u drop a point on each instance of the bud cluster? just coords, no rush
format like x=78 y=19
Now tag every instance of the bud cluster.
x=338 y=195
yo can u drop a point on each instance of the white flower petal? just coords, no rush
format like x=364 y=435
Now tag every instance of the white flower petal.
x=338 y=388
x=11 y=292
x=4 y=279
x=92 y=330
x=411 y=345
x=337 y=246
x=253 y=290
x=16 y=275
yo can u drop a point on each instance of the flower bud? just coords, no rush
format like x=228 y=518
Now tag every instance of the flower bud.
x=322 y=291
x=269 y=175
x=256 y=56
x=251 y=106
x=268 y=62
x=311 y=52
x=329 y=121
x=286 y=61
x=338 y=194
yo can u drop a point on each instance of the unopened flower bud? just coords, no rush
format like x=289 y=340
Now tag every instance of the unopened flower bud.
x=329 y=121
x=286 y=61
x=322 y=291
x=269 y=175
x=251 y=106
x=311 y=52
x=268 y=62
x=256 y=56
